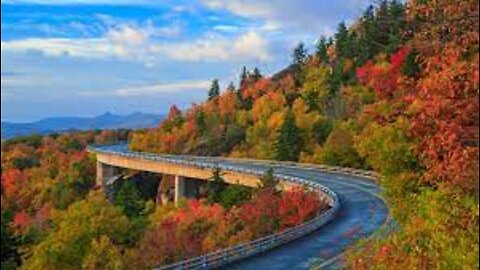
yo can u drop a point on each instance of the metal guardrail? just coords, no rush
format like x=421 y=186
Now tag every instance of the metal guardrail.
x=225 y=256
x=322 y=167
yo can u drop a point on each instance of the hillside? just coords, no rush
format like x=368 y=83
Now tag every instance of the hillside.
x=60 y=124
x=396 y=93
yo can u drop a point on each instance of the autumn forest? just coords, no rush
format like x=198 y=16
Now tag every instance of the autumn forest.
x=395 y=92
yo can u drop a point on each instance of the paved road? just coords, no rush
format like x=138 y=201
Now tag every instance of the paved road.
x=362 y=212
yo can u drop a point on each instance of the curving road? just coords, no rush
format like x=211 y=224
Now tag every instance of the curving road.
x=362 y=212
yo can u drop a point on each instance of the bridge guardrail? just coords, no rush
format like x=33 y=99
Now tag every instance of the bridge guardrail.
x=327 y=168
x=224 y=256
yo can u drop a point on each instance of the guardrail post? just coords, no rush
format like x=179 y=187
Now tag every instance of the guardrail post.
x=273 y=240
x=204 y=261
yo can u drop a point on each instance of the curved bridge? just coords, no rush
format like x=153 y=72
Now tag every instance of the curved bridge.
x=357 y=209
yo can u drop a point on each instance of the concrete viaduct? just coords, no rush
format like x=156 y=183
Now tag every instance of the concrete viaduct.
x=357 y=209
x=108 y=165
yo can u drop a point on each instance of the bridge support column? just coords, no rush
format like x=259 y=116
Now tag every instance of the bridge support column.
x=106 y=176
x=180 y=189
x=104 y=172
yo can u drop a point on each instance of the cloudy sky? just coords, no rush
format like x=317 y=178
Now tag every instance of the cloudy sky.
x=86 y=57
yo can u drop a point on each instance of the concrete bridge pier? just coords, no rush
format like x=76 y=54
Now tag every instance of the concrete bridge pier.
x=185 y=188
x=180 y=188
x=106 y=177
x=104 y=173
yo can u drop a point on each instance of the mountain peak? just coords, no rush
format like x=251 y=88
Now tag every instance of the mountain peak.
x=107 y=113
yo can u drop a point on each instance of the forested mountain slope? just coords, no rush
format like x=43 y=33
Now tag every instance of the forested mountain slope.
x=396 y=92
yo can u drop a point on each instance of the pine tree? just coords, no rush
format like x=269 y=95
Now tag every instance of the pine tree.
x=330 y=42
x=244 y=103
x=411 y=68
x=268 y=180
x=366 y=43
x=382 y=24
x=256 y=74
x=243 y=77
x=289 y=141
x=321 y=51
x=10 y=254
x=214 y=90
x=231 y=87
x=336 y=77
x=299 y=54
x=201 y=122
x=322 y=129
x=128 y=198
x=397 y=16
x=341 y=41
x=215 y=186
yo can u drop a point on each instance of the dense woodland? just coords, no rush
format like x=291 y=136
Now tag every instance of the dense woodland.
x=396 y=92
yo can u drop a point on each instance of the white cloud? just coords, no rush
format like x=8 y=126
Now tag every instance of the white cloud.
x=292 y=15
x=226 y=28
x=87 y=48
x=123 y=42
x=127 y=35
x=241 y=7
x=249 y=45
x=145 y=90
x=138 y=44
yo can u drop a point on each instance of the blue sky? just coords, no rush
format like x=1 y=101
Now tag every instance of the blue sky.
x=86 y=57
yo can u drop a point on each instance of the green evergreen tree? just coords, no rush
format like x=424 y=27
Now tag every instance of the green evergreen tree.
x=243 y=77
x=268 y=179
x=129 y=199
x=411 y=68
x=289 y=140
x=336 y=78
x=322 y=129
x=330 y=41
x=321 y=49
x=10 y=254
x=397 y=19
x=382 y=25
x=299 y=54
x=214 y=90
x=215 y=186
x=231 y=87
x=200 y=121
x=341 y=41
x=245 y=104
x=367 y=47
x=235 y=195
x=256 y=75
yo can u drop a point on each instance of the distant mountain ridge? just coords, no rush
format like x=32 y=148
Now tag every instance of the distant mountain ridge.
x=61 y=124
